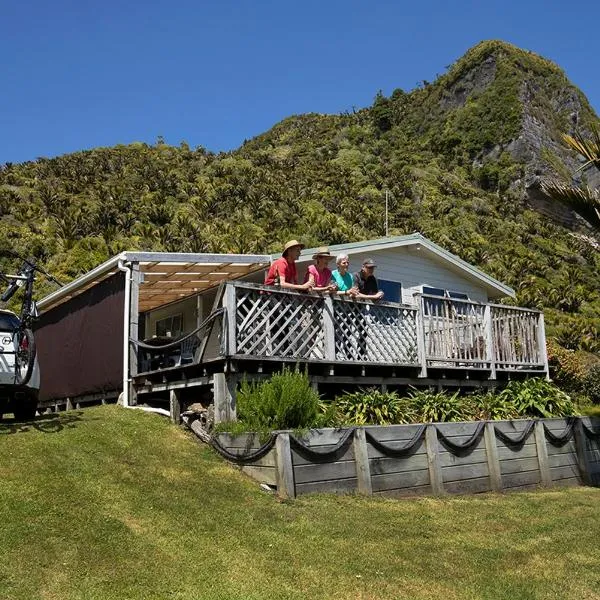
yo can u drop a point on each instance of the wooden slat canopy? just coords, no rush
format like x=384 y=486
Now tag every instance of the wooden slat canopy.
x=165 y=276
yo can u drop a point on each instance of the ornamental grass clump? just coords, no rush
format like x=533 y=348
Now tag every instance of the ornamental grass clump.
x=286 y=401
x=373 y=407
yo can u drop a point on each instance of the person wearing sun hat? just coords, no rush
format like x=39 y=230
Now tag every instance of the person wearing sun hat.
x=319 y=274
x=282 y=271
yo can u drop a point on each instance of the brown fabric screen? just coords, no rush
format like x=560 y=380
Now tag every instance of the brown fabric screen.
x=80 y=343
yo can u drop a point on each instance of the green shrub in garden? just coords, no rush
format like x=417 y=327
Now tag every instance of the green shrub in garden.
x=373 y=407
x=441 y=406
x=538 y=398
x=590 y=385
x=493 y=407
x=286 y=401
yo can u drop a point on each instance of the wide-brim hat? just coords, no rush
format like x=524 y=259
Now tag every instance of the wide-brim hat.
x=291 y=244
x=323 y=252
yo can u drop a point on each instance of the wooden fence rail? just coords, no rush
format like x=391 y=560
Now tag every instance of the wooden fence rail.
x=438 y=458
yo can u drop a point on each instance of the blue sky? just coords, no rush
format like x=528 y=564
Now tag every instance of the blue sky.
x=77 y=74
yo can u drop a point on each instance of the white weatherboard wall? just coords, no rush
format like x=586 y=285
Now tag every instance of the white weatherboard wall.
x=413 y=269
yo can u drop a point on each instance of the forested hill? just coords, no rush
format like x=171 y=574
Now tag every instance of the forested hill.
x=461 y=158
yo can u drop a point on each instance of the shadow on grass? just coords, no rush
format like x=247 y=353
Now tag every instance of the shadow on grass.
x=52 y=423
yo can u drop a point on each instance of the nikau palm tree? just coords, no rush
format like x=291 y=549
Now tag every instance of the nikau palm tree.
x=584 y=200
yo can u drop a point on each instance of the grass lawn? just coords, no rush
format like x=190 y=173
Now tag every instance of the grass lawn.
x=110 y=503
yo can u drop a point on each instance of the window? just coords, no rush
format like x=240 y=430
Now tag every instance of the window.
x=392 y=290
x=170 y=326
x=8 y=321
x=433 y=306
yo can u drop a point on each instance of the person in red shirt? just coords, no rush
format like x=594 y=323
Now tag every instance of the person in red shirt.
x=282 y=271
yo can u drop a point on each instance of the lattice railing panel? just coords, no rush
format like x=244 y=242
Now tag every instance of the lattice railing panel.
x=454 y=331
x=515 y=337
x=279 y=324
x=375 y=333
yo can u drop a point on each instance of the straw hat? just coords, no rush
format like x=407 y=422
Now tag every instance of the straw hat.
x=291 y=244
x=322 y=251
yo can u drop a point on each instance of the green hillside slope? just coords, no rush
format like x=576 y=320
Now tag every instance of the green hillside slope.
x=461 y=159
x=109 y=503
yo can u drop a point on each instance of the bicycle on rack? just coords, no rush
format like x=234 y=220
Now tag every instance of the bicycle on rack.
x=19 y=369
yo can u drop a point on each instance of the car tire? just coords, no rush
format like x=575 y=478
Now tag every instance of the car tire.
x=25 y=349
x=25 y=410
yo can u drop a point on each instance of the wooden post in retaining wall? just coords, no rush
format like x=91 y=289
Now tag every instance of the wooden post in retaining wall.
x=542 y=453
x=175 y=406
x=433 y=461
x=285 y=468
x=491 y=450
x=582 y=457
x=361 y=458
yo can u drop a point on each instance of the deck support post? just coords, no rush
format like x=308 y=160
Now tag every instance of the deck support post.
x=433 y=460
x=542 y=453
x=361 y=458
x=489 y=339
x=420 y=325
x=229 y=302
x=224 y=387
x=491 y=451
x=285 y=467
x=175 y=406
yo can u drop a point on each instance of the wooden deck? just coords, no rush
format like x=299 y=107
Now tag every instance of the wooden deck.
x=436 y=342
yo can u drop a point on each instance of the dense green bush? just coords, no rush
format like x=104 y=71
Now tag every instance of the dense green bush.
x=286 y=401
x=441 y=406
x=538 y=398
x=590 y=385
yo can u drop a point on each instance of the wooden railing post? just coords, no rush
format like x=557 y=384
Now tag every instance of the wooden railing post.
x=329 y=328
x=421 y=335
x=285 y=467
x=542 y=453
x=433 y=460
x=489 y=339
x=361 y=458
x=541 y=340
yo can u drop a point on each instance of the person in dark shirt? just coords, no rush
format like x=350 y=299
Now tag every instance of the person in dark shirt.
x=366 y=282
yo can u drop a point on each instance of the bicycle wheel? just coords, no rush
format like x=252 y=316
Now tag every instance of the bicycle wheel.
x=24 y=345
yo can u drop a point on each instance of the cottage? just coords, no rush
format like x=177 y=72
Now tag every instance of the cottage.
x=174 y=328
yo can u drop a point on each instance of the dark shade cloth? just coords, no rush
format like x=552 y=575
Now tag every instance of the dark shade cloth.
x=80 y=343
x=366 y=286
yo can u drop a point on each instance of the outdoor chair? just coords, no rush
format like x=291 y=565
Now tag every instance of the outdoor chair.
x=188 y=349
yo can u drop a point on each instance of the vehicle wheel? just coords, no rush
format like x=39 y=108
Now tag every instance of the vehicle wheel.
x=24 y=410
x=25 y=350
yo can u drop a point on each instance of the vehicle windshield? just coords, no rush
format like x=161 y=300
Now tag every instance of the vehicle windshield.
x=8 y=321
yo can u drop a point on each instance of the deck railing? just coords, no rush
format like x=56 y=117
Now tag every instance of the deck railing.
x=436 y=333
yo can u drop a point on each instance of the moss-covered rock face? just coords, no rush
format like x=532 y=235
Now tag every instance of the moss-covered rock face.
x=460 y=157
